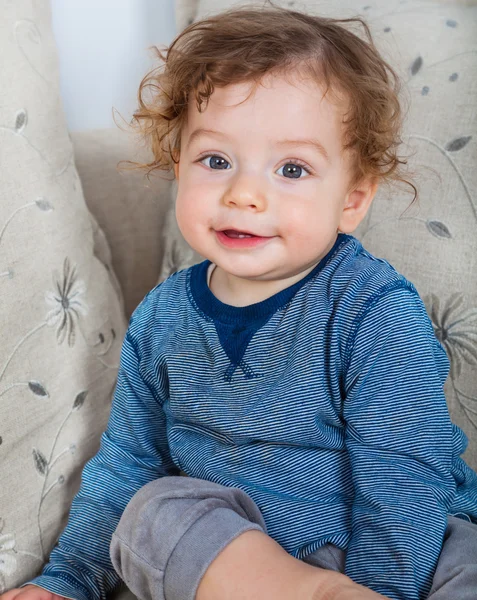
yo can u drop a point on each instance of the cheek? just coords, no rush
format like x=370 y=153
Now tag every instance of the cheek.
x=307 y=224
x=184 y=214
x=191 y=212
x=301 y=219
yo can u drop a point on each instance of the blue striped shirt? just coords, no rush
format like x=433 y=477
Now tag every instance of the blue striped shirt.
x=324 y=403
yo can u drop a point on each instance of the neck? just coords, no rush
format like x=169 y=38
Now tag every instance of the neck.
x=237 y=291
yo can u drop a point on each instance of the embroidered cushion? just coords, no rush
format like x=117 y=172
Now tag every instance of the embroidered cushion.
x=61 y=316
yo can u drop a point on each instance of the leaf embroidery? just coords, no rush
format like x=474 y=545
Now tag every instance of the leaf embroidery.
x=20 y=121
x=41 y=463
x=38 y=389
x=416 y=65
x=79 y=400
x=458 y=143
x=43 y=204
x=438 y=229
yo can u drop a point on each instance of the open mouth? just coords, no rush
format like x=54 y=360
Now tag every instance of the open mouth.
x=233 y=234
x=232 y=238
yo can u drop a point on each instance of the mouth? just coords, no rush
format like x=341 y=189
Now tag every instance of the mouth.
x=234 y=234
x=234 y=238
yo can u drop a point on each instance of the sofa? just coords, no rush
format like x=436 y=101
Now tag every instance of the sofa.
x=82 y=241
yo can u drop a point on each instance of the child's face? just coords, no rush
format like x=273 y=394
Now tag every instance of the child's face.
x=293 y=198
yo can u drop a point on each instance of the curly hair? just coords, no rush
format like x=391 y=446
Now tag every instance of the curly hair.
x=246 y=43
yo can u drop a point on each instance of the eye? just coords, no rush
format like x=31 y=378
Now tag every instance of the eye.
x=217 y=163
x=293 y=170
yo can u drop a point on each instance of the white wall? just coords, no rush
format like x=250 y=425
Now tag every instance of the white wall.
x=103 y=53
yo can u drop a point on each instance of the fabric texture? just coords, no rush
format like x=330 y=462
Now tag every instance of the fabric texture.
x=184 y=13
x=298 y=425
x=172 y=530
x=129 y=208
x=174 y=527
x=433 y=46
x=456 y=572
x=61 y=318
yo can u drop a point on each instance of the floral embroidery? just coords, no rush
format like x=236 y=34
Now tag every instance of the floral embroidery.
x=66 y=304
x=456 y=329
x=25 y=381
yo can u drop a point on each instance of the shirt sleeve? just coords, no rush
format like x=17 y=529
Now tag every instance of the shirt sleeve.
x=400 y=442
x=133 y=452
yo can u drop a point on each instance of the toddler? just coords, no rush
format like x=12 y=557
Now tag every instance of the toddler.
x=294 y=377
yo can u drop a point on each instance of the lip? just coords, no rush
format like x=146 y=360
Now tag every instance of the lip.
x=250 y=242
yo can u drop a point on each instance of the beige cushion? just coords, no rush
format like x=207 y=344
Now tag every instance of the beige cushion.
x=185 y=11
x=129 y=208
x=61 y=320
x=433 y=45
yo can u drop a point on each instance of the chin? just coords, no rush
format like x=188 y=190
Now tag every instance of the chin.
x=248 y=269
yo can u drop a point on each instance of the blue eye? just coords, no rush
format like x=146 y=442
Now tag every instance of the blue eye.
x=292 y=170
x=217 y=162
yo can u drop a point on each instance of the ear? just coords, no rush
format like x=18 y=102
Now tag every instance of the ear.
x=356 y=205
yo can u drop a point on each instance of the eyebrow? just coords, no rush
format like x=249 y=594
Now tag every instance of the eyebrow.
x=315 y=144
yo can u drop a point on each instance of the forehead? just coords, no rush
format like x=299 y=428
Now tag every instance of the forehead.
x=278 y=108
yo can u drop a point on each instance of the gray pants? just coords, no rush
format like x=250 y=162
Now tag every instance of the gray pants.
x=174 y=527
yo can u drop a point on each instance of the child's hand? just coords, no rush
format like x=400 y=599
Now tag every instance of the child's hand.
x=30 y=592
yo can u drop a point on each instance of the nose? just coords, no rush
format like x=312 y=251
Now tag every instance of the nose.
x=246 y=192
